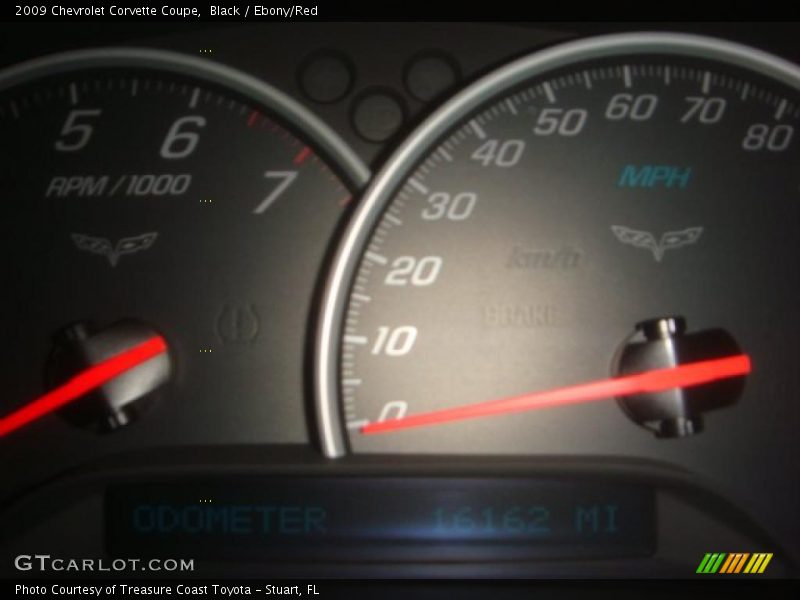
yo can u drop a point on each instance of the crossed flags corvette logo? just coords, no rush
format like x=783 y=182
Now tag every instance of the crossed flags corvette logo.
x=113 y=252
x=670 y=240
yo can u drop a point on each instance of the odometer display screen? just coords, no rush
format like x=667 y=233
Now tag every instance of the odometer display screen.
x=371 y=518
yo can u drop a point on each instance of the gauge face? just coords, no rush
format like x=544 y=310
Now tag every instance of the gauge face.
x=148 y=186
x=514 y=244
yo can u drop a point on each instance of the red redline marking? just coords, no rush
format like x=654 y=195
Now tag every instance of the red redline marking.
x=345 y=201
x=90 y=379
x=302 y=156
x=657 y=380
x=253 y=118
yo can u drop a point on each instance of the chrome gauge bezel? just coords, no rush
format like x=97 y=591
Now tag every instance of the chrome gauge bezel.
x=284 y=106
x=332 y=437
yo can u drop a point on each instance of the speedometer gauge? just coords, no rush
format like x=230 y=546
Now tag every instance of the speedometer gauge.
x=587 y=252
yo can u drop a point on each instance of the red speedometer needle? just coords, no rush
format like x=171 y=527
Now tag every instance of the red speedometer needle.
x=657 y=380
x=87 y=380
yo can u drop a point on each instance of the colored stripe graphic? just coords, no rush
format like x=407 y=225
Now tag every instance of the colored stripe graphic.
x=703 y=563
x=734 y=563
x=715 y=566
x=732 y=558
x=711 y=562
x=741 y=562
x=758 y=563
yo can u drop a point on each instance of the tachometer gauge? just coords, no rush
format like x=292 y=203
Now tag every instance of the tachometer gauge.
x=164 y=222
x=587 y=252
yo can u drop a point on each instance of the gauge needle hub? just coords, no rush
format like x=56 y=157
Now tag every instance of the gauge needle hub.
x=647 y=382
x=89 y=379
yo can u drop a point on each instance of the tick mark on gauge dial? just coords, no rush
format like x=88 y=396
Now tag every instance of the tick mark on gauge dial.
x=301 y=156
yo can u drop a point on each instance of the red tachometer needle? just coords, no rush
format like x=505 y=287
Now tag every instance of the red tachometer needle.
x=658 y=380
x=87 y=380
